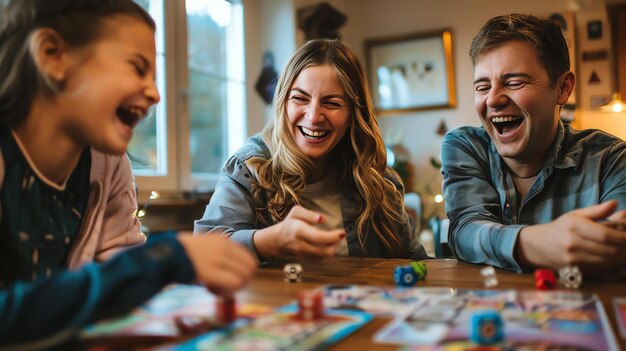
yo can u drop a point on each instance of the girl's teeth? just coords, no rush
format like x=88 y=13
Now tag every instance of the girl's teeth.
x=135 y=111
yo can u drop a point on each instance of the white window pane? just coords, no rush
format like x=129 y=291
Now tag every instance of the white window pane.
x=210 y=24
x=147 y=150
x=206 y=109
x=142 y=148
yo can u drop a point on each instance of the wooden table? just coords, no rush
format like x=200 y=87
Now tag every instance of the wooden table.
x=269 y=288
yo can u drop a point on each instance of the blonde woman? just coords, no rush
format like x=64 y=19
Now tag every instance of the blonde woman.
x=315 y=183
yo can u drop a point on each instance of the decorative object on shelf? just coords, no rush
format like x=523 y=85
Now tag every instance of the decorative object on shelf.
x=266 y=84
x=442 y=128
x=320 y=21
x=412 y=72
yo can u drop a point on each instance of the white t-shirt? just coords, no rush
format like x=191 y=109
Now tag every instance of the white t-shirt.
x=323 y=197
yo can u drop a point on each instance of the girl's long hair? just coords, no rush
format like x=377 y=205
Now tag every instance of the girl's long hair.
x=361 y=152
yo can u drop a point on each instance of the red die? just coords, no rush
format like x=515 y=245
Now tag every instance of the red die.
x=226 y=310
x=310 y=305
x=544 y=279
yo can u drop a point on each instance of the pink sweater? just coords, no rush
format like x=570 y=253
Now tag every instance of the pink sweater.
x=109 y=223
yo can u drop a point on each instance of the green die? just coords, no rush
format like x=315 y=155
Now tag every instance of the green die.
x=420 y=269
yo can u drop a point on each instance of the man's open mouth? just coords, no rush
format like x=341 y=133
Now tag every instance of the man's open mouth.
x=313 y=134
x=506 y=124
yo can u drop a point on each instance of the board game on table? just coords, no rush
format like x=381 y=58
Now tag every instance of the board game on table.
x=420 y=319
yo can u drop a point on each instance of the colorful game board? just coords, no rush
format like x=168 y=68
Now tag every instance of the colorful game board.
x=157 y=317
x=424 y=319
x=282 y=330
x=532 y=320
x=620 y=315
x=257 y=327
x=438 y=318
x=386 y=301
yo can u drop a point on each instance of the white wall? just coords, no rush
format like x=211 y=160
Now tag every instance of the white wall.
x=373 y=18
x=269 y=26
x=381 y=18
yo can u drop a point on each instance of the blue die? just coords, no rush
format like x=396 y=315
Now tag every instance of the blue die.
x=405 y=276
x=487 y=327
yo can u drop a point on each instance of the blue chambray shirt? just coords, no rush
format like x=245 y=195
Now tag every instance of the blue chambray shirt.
x=232 y=211
x=583 y=168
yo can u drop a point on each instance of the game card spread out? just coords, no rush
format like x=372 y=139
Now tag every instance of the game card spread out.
x=158 y=317
x=439 y=318
x=422 y=319
x=620 y=315
x=282 y=330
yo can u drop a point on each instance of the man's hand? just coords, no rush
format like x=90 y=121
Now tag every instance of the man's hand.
x=575 y=239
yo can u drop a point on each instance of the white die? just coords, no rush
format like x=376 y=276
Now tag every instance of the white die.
x=292 y=272
x=489 y=275
x=570 y=277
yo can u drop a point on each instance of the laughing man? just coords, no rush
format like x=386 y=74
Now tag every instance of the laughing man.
x=525 y=190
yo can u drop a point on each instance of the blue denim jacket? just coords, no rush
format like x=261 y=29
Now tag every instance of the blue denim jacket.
x=232 y=210
x=583 y=168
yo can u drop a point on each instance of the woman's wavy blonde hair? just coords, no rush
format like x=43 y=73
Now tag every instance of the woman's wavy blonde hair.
x=283 y=177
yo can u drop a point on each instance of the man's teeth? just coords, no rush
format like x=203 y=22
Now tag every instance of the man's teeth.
x=504 y=119
x=314 y=133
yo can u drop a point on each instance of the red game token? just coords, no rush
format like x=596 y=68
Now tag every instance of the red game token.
x=310 y=305
x=544 y=279
x=193 y=324
x=226 y=310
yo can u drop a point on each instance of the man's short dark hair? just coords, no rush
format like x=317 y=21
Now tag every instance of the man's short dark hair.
x=542 y=34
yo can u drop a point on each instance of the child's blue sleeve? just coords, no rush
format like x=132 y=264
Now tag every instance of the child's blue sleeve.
x=37 y=315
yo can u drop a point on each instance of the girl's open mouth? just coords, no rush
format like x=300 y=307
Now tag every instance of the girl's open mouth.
x=130 y=115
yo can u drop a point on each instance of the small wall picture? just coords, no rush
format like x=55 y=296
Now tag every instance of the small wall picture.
x=594 y=79
x=412 y=72
x=594 y=29
x=598 y=101
x=595 y=55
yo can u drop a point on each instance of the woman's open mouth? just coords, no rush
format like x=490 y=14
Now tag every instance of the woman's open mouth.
x=313 y=134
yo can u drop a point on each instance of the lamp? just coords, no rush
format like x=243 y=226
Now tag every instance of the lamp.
x=616 y=104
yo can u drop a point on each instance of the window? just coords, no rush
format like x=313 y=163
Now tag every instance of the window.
x=200 y=75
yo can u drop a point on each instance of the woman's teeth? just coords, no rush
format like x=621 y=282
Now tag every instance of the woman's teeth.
x=313 y=134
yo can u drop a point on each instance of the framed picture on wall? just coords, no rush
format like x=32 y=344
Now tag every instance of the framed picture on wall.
x=412 y=72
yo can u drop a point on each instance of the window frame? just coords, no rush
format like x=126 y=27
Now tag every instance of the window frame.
x=177 y=173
